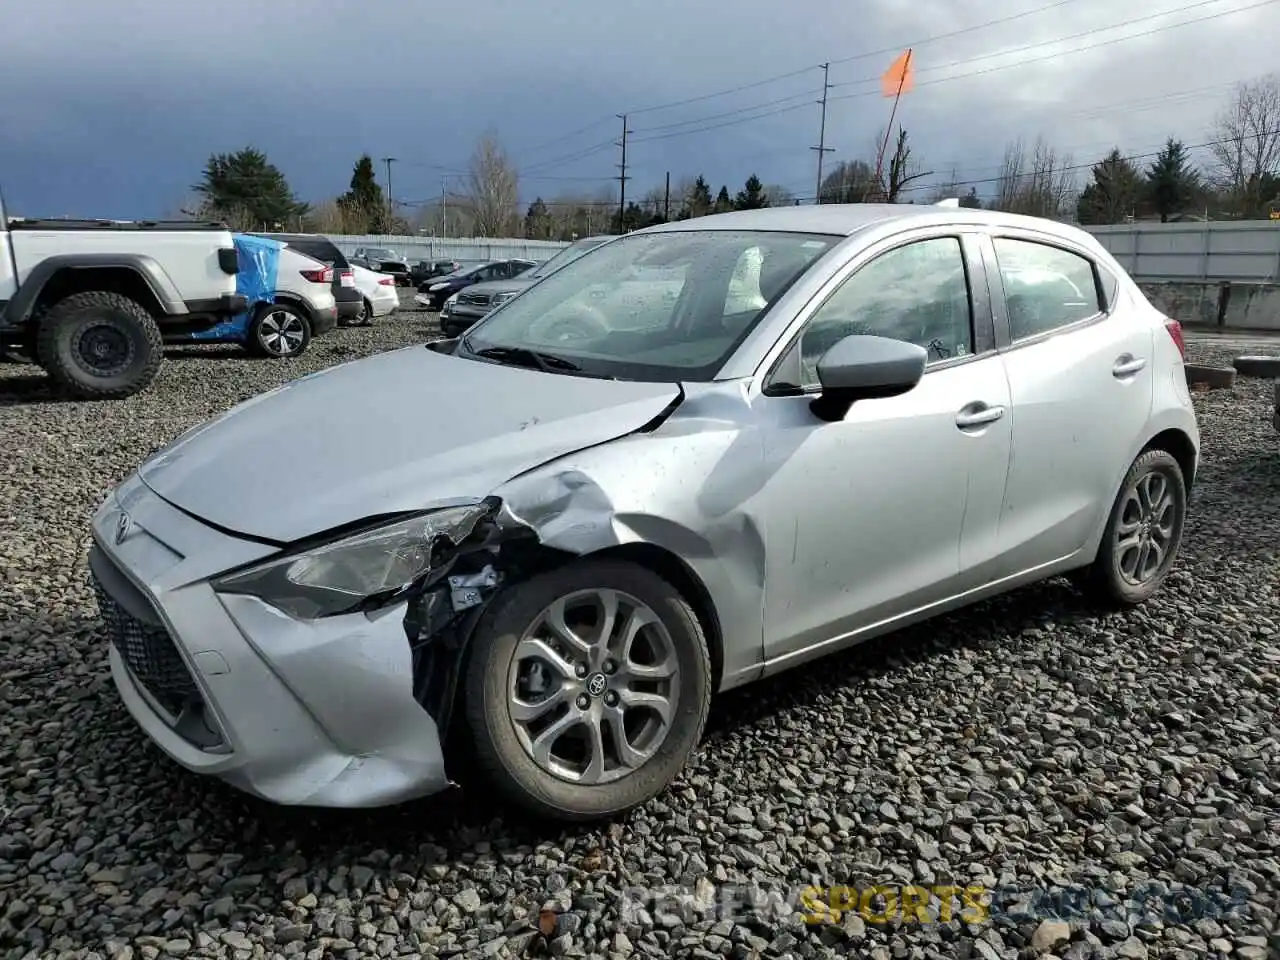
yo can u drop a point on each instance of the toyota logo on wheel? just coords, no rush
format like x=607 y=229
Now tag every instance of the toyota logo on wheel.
x=596 y=684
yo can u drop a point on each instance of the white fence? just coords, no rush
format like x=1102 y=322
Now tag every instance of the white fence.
x=1246 y=251
x=466 y=249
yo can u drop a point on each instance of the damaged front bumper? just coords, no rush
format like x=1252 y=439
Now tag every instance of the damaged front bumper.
x=319 y=712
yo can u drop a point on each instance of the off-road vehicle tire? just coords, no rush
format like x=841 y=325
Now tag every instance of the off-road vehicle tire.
x=99 y=345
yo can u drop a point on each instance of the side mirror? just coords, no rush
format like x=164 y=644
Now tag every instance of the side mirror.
x=866 y=368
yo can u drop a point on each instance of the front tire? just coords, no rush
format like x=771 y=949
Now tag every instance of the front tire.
x=1143 y=533
x=587 y=688
x=99 y=345
x=279 y=331
x=366 y=314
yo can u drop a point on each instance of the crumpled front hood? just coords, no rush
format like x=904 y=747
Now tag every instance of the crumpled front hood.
x=400 y=431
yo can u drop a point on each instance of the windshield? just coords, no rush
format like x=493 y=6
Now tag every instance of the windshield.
x=661 y=306
x=380 y=252
x=564 y=257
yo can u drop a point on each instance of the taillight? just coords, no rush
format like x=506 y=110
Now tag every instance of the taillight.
x=386 y=281
x=324 y=275
x=1175 y=331
x=348 y=278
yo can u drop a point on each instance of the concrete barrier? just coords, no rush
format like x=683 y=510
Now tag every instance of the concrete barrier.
x=1229 y=306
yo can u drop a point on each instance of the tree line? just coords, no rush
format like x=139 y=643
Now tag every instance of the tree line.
x=1240 y=179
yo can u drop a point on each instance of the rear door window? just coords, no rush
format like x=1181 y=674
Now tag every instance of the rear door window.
x=1045 y=287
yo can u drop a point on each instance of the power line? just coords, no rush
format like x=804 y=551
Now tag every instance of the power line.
x=1061 y=53
x=859 y=56
x=960 y=76
x=1150 y=155
x=573 y=157
x=730 y=113
x=785 y=105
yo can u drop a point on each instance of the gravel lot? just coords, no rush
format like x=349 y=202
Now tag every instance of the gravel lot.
x=1024 y=742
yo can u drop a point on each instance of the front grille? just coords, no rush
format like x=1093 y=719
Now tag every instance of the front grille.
x=474 y=299
x=149 y=652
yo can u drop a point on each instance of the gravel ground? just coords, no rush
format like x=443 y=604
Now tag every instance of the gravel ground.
x=1026 y=742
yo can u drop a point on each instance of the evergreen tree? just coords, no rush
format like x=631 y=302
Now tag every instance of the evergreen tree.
x=537 y=221
x=1114 y=192
x=1172 y=180
x=723 y=204
x=364 y=201
x=248 y=192
x=971 y=200
x=751 y=196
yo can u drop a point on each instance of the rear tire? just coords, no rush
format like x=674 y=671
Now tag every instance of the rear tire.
x=365 y=319
x=592 y=701
x=1143 y=534
x=99 y=345
x=1266 y=368
x=279 y=331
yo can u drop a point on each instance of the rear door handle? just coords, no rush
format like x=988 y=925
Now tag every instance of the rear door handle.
x=976 y=415
x=1127 y=365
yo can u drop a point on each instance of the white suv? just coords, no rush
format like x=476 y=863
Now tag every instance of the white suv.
x=304 y=307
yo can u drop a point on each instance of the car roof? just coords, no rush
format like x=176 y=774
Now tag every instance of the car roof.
x=845 y=219
x=301 y=241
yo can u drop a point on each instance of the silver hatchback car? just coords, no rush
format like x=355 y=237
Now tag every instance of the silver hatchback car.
x=702 y=453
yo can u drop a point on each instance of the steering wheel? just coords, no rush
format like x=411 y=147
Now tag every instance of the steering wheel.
x=584 y=323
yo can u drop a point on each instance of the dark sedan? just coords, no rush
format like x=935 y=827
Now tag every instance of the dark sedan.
x=425 y=270
x=477 y=300
x=383 y=261
x=433 y=293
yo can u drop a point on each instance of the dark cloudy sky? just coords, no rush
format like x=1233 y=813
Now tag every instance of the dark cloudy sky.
x=111 y=109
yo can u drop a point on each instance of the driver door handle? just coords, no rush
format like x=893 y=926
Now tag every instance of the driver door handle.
x=1127 y=365
x=978 y=415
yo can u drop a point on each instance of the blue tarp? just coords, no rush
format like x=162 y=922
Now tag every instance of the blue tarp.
x=259 y=260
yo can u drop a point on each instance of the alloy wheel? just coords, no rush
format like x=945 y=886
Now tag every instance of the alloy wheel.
x=593 y=686
x=281 y=333
x=1146 y=531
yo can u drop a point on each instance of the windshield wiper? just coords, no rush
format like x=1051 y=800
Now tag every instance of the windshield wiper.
x=546 y=362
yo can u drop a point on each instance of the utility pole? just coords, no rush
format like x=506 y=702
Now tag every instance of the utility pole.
x=666 y=203
x=822 y=147
x=391 y=208
x=622 y=176
x=444 y=206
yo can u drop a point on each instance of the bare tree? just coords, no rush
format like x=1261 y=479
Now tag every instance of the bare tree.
x=1039 y=184
x=493 y=190
x=1246 y=153
x=901 y=170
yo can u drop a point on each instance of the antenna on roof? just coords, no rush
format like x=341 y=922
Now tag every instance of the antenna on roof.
x=948 y=202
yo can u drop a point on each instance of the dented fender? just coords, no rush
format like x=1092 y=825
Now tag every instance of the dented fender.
x=686 y=486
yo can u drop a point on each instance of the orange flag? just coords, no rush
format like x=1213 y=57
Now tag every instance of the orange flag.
x=898 y=78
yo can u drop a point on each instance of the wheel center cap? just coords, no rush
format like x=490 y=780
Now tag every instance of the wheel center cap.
x=597 y=684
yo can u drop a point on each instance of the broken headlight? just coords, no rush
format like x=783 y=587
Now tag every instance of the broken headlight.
x=340 y=576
